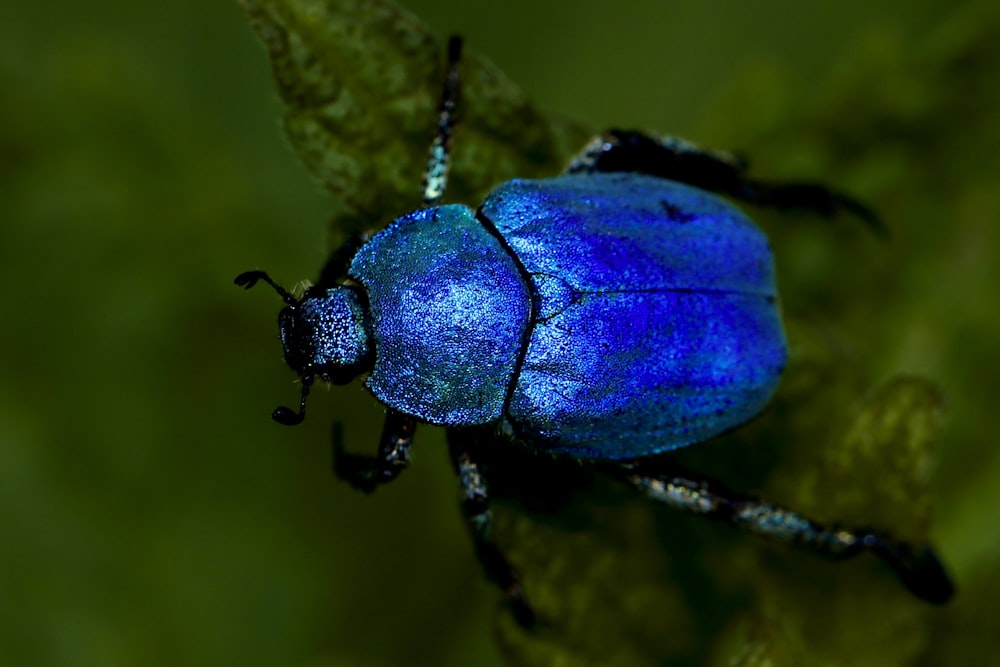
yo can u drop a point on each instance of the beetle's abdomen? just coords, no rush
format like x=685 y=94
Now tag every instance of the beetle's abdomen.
x=449 y=312
x=658 y=325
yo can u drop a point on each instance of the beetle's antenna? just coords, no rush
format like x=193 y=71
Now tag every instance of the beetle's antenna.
x=436 y=175
x=249 y=279
x=286 y=416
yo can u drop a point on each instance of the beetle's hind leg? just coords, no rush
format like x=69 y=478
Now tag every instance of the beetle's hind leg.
x=716 y=171
x=476 y=509
x=665 y=157
x=366 y=472
x=917 y=566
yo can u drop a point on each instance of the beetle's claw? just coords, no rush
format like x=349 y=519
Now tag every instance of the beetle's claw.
x=356 y=470
x=919 y=570
x=287 y=416
x=519 y=607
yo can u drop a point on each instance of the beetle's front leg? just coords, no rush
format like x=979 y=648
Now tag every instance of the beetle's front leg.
x=917 y=567
x=476 y=509
x=365 y=472
x=716 y=171
x=335 y=269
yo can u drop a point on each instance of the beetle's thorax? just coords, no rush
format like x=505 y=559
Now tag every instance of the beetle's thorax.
x=449 y=314
x=327 y=334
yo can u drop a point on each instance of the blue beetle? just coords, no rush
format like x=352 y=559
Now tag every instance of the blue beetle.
x=609 y=314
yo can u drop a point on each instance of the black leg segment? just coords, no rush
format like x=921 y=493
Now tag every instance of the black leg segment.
x=667 y=157
x=917 y=567
x=335 y=270
x=476 y=510
x=436 y=174
x=716 y=171
x=366 y=472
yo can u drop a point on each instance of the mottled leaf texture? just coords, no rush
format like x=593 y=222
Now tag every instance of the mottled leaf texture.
x=361 y=81
x=615 y=579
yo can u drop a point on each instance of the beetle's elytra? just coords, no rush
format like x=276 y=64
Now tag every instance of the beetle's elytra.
x=612 y=313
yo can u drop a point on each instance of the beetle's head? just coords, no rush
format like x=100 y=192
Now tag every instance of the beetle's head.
x=325 y=334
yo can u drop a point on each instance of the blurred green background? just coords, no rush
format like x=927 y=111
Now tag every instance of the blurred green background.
x=151 y=512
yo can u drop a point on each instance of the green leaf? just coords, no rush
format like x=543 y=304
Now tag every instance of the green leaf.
x=362 y=80
x=615 y=579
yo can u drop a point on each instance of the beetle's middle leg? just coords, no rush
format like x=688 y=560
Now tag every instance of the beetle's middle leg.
x=476 y=509
x=716 y=171
x=366 y=472
x=917 y=566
